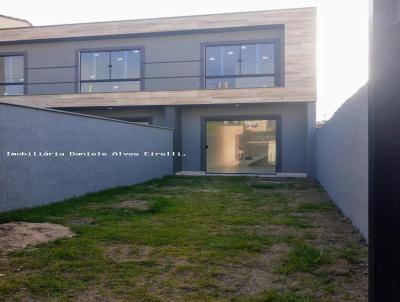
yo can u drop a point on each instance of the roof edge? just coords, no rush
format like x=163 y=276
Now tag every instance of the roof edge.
x=165 y=18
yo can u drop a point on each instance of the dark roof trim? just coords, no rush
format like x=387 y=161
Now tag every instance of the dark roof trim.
x=136 y=35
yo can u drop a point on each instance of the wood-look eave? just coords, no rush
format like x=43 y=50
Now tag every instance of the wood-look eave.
x=164 y=98
x=159 y=25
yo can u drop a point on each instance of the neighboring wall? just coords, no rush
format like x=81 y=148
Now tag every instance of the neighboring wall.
x=342 y=159
x=32 y=181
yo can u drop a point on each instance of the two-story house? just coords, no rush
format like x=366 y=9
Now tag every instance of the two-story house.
x=239 y=89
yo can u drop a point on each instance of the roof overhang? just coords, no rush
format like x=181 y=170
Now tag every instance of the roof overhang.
x=159 y=25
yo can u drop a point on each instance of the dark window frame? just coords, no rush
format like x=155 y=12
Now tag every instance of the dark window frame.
x=206 y=118
x=25 y=62
x=278 y=56
x=140 y=79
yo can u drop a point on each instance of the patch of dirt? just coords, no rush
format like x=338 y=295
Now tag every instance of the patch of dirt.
x=128 y=253
x=27 y=298
x=255 y=275
x=171 y=267
x=340 y=267
x=18 y=235
x=140 y=205
x=181 y=261
x=93 y=295
x=274 y=230
x=262 y=275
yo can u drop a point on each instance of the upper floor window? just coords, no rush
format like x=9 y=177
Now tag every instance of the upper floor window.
x=240 y=66
x=12 y=75
x=110 y=71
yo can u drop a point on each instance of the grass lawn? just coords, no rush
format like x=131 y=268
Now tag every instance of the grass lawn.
x=197 y=239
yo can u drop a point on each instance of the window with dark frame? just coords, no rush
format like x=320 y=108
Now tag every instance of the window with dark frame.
x=243 y=65
x=12 y=80
x=110 y=71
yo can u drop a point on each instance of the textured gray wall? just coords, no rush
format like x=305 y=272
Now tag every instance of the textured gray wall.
x=32 y=181
x=294 y=133
x=176 y=57
x=342 y=159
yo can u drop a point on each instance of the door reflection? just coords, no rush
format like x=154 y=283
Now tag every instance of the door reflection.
x=241 y=146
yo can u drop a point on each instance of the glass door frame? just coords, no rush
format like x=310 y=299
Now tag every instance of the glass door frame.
x=203 y=151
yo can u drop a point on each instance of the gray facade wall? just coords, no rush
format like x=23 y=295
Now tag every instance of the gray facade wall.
x=170 y=62
x=311 y=132
x=32 y=181
x=293 y=134
x=297 y=133
x=342 y=159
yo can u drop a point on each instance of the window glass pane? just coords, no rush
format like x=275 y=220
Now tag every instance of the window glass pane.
x=258 y=59
x=241 y=146
x=213 y=60
x=110 y=86
x=240 y=82
x=267 y=58
x=12 y=69
x=222 y=60
x=11 y=89
x=219 y=83
x=224 y=63
x=230 y=57
x=94 y=65
x=125 y=64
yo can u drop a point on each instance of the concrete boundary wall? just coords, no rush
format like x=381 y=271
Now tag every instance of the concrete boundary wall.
x=27 y=181
x=342 y=159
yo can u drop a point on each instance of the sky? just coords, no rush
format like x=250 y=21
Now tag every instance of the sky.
x=342 y=39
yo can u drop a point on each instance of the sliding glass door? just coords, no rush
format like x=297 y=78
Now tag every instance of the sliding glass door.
x=241 y=146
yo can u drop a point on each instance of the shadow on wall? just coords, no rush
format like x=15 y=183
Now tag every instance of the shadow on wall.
x=342 y=158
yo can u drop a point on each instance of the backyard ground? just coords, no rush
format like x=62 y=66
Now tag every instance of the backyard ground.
x=192 y=239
